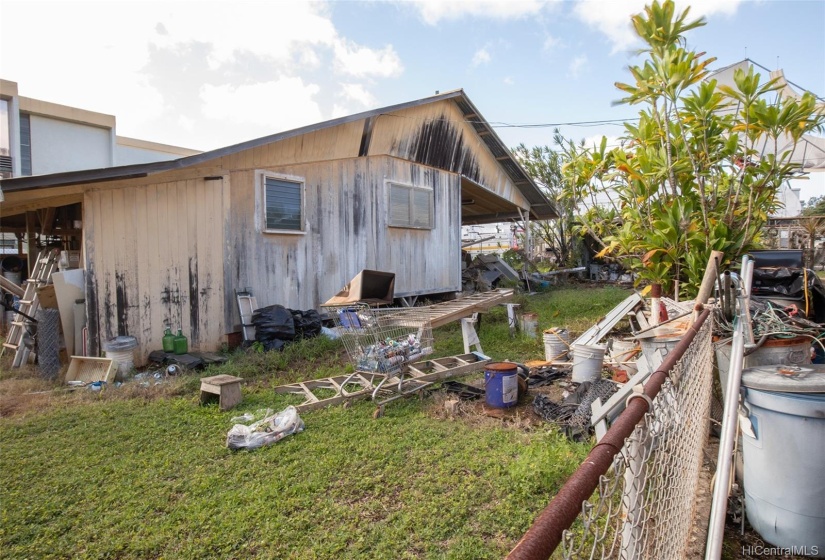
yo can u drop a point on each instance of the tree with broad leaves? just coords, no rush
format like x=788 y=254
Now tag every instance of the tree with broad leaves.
x=544 y=164
x=700 y=169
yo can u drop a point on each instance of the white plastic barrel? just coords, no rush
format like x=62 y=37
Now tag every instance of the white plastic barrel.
x=784 y=451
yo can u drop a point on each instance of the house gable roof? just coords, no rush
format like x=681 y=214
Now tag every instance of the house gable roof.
x=540 y=206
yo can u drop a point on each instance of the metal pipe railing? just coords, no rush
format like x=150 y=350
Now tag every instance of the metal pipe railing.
x=542 y=538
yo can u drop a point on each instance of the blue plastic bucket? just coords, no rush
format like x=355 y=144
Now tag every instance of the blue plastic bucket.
x=501 y=384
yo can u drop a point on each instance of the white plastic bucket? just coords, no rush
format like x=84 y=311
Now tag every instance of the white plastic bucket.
x=623 y=354
x=587 y=362
x=529 y=324
x=15 y=277
x=121 y=350
x=556 y=344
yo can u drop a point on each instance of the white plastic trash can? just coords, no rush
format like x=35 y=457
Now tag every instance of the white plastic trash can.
x=784 y=455
x=121 y=349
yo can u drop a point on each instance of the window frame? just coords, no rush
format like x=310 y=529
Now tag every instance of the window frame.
x=411 y=189
x=261 y=213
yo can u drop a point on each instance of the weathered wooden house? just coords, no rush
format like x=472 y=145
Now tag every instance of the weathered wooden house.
x=292 y=216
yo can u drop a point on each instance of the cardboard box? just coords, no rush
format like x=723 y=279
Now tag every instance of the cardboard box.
x=47 y=297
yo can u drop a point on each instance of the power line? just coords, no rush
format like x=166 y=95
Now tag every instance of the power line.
x=497 y=124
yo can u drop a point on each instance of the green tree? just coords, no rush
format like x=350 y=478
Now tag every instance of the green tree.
x=544 y=165
x=815 y=206
x=701 y=168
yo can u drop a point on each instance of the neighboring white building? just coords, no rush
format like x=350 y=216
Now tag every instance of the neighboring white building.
x=791 y=203
x=488 y=238
x=38 y=137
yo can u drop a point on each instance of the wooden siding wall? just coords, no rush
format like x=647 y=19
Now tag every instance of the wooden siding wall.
x=438 y=135
x=154 y=257
x=346 y=232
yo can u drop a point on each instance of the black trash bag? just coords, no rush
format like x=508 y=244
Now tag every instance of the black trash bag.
x=273 y=344
x=273 y=322
x=307 y=323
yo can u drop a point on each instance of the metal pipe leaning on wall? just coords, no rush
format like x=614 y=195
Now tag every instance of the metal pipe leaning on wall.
x=542 y=538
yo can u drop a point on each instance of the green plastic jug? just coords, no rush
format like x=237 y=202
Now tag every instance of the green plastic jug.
x=181 y=344
x=168 y=341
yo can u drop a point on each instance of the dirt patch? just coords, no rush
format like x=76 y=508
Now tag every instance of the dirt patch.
x=477 y=413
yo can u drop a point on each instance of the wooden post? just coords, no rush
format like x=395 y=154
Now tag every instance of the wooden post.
x=708 y=280
x=31 y=239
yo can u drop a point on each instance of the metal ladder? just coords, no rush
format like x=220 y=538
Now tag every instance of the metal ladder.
x=247 y=304
x=382 y=388
x=29 y=304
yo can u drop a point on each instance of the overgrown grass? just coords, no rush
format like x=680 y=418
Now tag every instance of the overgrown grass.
x=105 y=476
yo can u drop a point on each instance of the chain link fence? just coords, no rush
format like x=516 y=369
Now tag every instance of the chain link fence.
x=643 y=503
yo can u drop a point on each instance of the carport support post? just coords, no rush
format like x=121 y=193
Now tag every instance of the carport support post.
x=512 y=318
x=31 y=241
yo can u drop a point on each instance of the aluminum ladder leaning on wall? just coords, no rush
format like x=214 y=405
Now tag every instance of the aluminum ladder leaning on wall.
x=29 y=304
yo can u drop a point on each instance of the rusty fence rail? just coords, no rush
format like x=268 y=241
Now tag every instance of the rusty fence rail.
x=633 y=496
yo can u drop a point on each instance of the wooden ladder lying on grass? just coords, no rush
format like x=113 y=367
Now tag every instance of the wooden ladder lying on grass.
x=29 y=304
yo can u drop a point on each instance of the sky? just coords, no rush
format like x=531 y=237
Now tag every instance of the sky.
x=204 y=75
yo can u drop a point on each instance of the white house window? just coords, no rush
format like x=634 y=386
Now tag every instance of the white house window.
x=410 y=207
x=283 y=204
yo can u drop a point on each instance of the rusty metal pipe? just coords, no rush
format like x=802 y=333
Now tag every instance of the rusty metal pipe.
x=542 y=538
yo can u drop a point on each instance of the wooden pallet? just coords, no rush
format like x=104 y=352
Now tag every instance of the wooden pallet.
x=446 y=312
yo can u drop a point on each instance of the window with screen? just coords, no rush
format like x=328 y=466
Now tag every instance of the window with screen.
x=283 y=201
x=410 y=207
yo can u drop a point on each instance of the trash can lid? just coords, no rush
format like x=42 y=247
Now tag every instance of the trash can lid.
x=809 y=378
x=120 y=343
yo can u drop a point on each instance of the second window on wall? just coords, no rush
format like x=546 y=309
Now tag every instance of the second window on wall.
x=283 y=204
x=410 y=207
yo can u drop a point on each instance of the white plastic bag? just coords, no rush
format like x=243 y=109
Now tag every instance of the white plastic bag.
x=264 y=432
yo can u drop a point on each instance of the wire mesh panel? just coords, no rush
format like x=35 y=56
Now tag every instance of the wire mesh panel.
x=644 y=505
x=383 y=340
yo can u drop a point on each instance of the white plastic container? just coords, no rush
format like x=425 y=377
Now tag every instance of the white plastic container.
x=556 y=344
x=784 y=454
x=587 y=362
x=121 y=350
x=623 y=353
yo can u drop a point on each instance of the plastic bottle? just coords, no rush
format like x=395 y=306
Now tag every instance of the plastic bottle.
x=181 y=344
x=168 y=341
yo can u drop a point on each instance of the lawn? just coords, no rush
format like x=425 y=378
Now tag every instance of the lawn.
x=143 y=472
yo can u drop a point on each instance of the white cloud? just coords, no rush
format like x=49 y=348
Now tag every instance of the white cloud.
x=219 y=24
x=359 y=61
x=595 y=141
x=359 y=94
x=481 y=56
x=433 y=11
x=340 y=111
x=551 y=42
x=279 y=105
x=577 y=64
x=613 y=18
x=508 y=81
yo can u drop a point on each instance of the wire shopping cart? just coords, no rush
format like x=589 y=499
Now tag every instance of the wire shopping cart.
x=388 y=348
x=383 y=340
